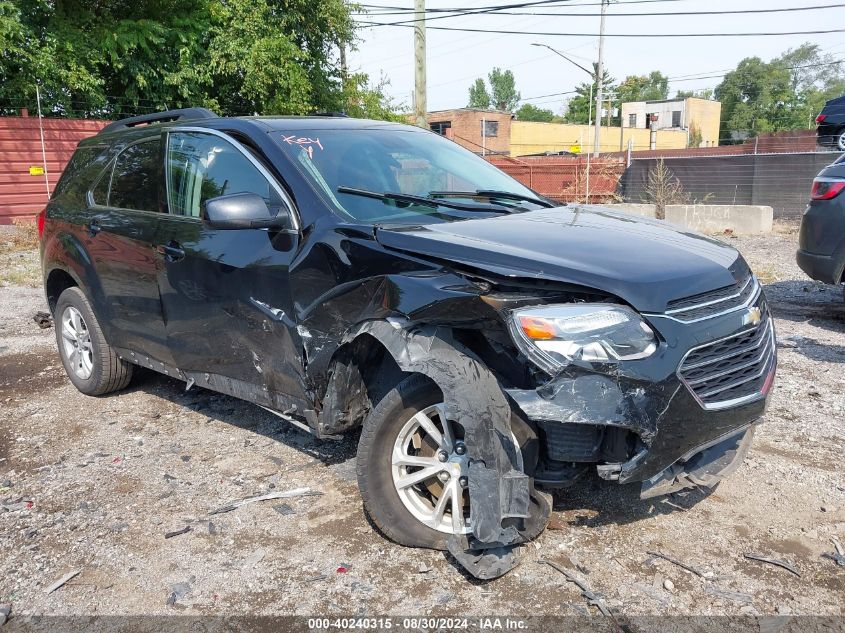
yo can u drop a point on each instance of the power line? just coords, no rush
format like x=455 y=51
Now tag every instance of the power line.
x=473 y=11
x=550 y=3
x=627 y=35
x=615 y=15
x=688 y=78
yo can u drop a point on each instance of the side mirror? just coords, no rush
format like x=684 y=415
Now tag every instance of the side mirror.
x=244 y=211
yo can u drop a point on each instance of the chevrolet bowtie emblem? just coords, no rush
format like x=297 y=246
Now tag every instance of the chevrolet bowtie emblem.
x=753 y=316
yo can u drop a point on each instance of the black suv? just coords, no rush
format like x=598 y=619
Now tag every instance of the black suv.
x=821 y=242
x=830 y=124
x=345 y=273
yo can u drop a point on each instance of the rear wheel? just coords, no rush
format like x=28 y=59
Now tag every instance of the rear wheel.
x=91 y=364
x=839 y=140
x=413 y=465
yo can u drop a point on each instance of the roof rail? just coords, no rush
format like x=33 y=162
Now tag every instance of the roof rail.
x=159 y=117
x=342 y=115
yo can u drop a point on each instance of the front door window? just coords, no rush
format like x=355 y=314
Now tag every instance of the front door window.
x=204 y=166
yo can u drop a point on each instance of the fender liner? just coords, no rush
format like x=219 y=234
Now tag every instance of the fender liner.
x=501 y=510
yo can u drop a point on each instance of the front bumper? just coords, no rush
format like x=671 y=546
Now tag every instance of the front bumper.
x=703 y=467
x=671 y=423
x=671 y=426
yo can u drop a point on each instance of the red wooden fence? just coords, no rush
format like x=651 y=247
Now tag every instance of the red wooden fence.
x=23 y=195
x=564 y=178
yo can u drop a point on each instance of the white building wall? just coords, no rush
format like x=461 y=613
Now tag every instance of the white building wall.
x=663 y=109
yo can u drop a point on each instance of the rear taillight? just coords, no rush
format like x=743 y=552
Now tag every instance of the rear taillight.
x=821 y=118
x=39 y=221
x=826 y=188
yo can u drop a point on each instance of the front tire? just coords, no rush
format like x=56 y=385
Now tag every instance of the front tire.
x=411 y=468
x=90 y=363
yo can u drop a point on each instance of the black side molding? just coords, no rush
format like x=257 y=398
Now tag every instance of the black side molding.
x=159 y=117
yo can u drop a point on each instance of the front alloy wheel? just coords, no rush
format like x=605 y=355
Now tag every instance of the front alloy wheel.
x=413 y=466
x=431 y=469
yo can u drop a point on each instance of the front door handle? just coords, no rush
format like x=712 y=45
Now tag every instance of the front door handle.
x=94 y=227
x=172 y=252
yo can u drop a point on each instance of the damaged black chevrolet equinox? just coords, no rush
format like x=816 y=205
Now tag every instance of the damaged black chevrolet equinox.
x=345 y=273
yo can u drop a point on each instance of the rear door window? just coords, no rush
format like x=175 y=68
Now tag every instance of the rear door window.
x=136 y=177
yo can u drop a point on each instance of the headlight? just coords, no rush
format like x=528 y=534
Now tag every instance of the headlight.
x=595 y=332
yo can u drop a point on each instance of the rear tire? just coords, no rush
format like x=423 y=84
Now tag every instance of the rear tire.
x=375 y=467
x=91 y=364
x=839 y=140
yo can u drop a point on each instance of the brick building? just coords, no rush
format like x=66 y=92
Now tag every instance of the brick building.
x=480 y=131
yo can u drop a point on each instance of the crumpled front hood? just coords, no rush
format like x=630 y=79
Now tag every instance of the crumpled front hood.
x=645 y=262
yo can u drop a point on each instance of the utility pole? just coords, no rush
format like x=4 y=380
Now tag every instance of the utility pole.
x=344 y=69
x=420 y=107
x=599 y=77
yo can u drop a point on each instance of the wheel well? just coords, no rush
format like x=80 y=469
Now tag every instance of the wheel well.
x=57 y=282
x=361 y=373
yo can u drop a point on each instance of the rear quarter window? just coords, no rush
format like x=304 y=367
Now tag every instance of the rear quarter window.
x=84 y=167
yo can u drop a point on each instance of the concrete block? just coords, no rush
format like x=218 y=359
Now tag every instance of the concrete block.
x=718 y=218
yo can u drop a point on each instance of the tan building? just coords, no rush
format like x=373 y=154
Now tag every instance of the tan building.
x=530 y=137
x=690 y=115
x=480 y=131
x=496 y=132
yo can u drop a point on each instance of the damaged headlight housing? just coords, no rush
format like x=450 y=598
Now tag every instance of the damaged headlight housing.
x=554 y=335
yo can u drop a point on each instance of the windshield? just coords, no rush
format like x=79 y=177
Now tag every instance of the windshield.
x=403 y=161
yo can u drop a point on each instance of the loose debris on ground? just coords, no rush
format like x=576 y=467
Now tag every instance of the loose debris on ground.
x=592 y=598
x=93 y=484
x=61 y=582
x=299 y=492
x=774 y=561
x=680 y=564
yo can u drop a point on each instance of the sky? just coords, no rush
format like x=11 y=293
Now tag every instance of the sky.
x=456 y=59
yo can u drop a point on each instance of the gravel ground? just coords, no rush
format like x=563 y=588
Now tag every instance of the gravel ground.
x=94 y=484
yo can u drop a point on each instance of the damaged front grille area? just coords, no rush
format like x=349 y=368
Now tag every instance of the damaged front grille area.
x=733 y=370
x=710 y=304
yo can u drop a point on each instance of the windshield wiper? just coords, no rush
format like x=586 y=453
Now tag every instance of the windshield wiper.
x=421 y=200
x=492 y=193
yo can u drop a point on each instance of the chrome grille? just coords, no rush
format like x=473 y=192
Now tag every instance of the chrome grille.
x=714 y=302
x=733 y=370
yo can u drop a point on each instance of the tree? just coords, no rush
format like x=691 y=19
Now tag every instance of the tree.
x=785 y=93
x=478 y=95
x=695 y=138
x=809 y=69
x=755 y=97
x=115 y=58
x=366 y=100
x=503 y=87
x=705 y=93
x=502 y=94
x=651 y=87
x=578 y=110
x=663 y=188
x=529 y=112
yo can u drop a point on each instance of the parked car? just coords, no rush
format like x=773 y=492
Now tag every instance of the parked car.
x=830 y=124
x=821 y=241
x=345 y=273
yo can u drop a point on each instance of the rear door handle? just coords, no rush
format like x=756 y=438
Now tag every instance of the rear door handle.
x=94 y=227
x=172 y=252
